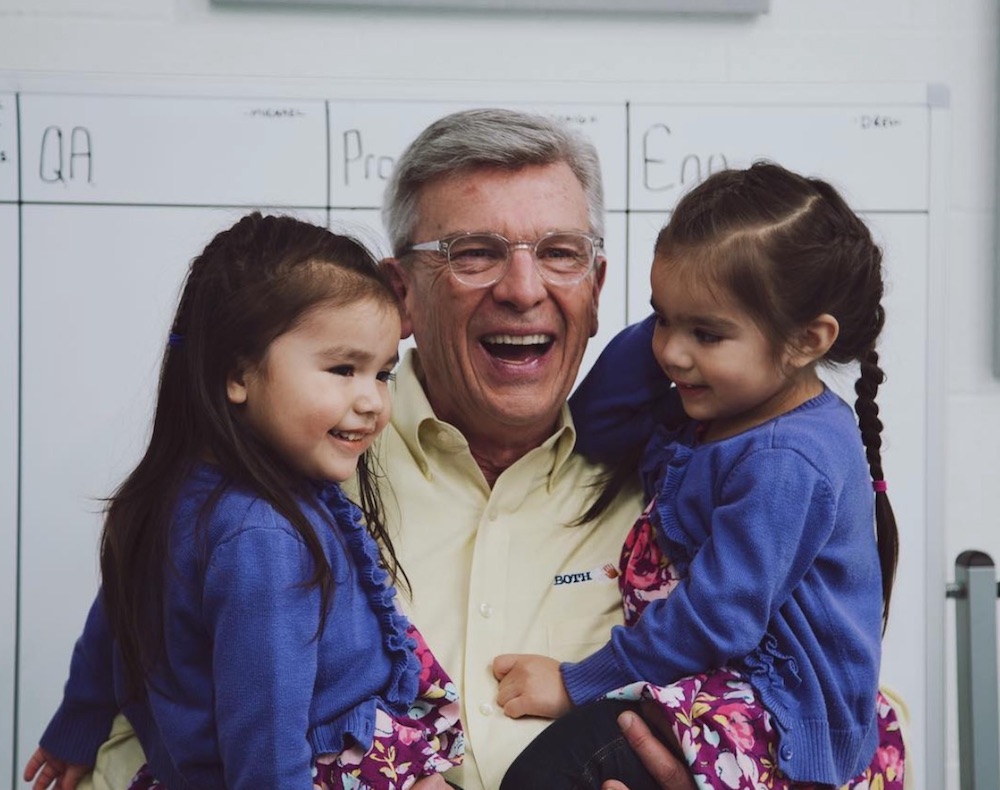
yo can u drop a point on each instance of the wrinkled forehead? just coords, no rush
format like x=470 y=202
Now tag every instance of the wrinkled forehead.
x=531 y=199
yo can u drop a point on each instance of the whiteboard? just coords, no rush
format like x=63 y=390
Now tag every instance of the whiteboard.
x=117 y=192
x=9 y=265
x=8 y=472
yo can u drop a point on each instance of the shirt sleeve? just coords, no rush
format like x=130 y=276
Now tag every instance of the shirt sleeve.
x=774 y=514
x=623 y=397
x=265 y=620
x=84 y=717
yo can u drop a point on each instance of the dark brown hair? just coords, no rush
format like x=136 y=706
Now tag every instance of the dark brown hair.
x=253 y=282
x=788 y=249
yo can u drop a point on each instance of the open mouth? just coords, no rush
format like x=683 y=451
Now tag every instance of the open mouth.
x=347 y=436
x=517 y=348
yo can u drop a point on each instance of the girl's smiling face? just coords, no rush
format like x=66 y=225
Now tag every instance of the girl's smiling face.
x=726 y=370
x=320 y=395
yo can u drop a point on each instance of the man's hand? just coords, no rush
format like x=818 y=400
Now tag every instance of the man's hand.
x=669 y=772
x=530 y=686
x=50 y=769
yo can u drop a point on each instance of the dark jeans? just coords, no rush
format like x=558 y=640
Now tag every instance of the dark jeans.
x=580 y=751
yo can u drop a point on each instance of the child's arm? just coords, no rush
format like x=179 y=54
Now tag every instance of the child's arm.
x=264 y=619
x=773 y=515
x=624 y=397
x=83 y=720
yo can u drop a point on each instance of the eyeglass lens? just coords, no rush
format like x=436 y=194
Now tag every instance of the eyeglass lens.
x=561 y=257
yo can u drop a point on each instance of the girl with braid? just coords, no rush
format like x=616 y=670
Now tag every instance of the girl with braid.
x=757 y=582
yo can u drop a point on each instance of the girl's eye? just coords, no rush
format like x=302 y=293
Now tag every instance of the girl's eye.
x=386 y=376
x=706 y=337
x=342 y=370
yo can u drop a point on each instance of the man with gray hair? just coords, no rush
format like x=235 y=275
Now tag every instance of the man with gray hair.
x=496 y=221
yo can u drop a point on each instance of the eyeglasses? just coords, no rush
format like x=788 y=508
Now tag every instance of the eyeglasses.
x=480 y=260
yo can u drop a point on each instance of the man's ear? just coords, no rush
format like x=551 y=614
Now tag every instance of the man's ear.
x=813 y=341
x=399 y=277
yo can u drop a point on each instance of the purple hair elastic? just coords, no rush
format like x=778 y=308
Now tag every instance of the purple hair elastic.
x=879 y=486
x=174 y=340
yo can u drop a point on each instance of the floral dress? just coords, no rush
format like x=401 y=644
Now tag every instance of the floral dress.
x=724 y=731
x=428 y=740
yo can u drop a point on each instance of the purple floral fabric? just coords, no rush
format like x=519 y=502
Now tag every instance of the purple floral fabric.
x=428 y=740
x=723 y=730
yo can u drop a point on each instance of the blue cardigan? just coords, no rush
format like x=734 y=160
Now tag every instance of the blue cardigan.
x=772 y=532
x=251 y=695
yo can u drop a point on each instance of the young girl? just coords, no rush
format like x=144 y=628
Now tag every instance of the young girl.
x=754 y=585
x=256 y=641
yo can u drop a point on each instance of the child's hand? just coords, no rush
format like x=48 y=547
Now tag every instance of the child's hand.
x=49 y=768
x=530 y=686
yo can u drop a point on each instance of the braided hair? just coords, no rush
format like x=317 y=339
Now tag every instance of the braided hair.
x=788 y=249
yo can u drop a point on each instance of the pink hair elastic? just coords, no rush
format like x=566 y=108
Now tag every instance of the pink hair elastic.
x=879 y=486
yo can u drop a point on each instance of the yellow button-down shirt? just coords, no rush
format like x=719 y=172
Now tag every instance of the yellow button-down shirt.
x=501 y=570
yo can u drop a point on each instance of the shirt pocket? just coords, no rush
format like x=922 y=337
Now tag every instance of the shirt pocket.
x=575 y=638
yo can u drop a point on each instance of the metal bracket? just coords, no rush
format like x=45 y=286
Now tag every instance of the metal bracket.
x=975 y=591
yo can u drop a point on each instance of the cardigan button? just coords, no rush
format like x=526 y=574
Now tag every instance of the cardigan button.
x=786 y=752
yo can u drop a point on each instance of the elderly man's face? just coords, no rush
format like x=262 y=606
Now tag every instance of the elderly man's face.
x=504 y=357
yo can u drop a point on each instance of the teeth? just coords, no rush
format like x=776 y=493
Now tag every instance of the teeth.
x=518 y=340
x=350 y=437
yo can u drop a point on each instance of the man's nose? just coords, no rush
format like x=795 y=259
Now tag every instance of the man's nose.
x=522 y=285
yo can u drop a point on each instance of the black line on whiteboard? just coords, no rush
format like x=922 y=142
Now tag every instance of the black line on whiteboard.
x=628 y=205
x=18 y=454
x=329 y=186
x=115 y=204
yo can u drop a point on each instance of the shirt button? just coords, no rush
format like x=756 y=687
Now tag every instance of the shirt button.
x=485 y=610
x=492 y=515
x=487 y=709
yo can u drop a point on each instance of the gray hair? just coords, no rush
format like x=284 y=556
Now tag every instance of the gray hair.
x=499 y=138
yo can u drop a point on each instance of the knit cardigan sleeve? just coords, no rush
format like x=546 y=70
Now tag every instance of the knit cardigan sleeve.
x=623 y=398
x=773 y=515
x=264 y=621
x=84 y=717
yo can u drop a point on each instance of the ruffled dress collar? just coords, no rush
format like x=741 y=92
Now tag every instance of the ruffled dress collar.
x=401 y=686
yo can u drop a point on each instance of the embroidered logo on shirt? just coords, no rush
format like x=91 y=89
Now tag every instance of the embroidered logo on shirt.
x=606 y=573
